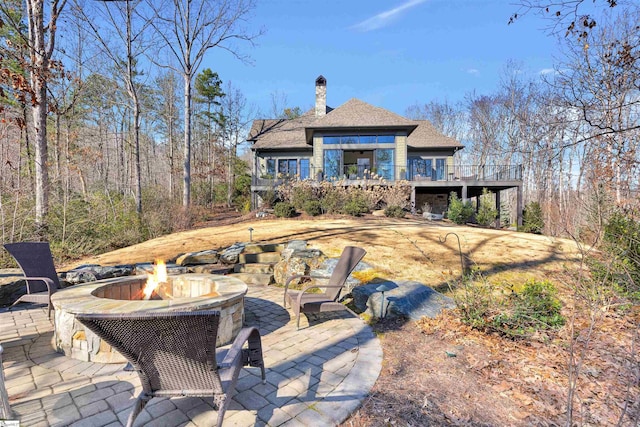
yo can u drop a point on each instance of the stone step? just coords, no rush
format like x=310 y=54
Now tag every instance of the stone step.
x=259 y=258
x=257 y=248
x=254 y=278
x=254 y=268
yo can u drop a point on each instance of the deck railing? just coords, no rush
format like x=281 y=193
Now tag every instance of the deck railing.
x=391 y=173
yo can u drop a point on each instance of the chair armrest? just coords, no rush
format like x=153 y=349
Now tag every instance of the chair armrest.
x=297 y=276
x=51 y=286
x=251 y=356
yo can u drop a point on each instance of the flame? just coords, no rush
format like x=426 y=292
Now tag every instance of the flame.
x=153 y=281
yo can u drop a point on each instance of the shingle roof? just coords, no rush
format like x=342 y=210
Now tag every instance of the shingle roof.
x=356 y=113
x=280 y=133
x=427 y=136
x=297 y=133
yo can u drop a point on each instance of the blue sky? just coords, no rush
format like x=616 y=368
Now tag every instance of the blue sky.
x=392 y=53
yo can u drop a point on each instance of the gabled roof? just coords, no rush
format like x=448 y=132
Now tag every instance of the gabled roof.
x=427 y=136
x=281 y=133
x=352 y=115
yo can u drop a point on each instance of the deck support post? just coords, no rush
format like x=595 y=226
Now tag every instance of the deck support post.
x=498 y=209
x=519 y=205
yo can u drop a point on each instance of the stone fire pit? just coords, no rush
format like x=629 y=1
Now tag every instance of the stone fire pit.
x=184 y=292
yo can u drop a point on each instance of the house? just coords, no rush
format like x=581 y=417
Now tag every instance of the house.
x=357 y=140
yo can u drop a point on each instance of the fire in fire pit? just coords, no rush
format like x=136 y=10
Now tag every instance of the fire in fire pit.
x=158 y=276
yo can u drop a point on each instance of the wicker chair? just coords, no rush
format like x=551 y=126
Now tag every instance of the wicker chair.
x=305 y=302
x=37 y=264
x=174 y=354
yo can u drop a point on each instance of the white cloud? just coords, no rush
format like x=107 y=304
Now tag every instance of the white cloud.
x=385 y=18
x=473 y=71
x=546 y=71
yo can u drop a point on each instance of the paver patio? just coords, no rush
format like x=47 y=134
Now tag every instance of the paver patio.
x=316 y=376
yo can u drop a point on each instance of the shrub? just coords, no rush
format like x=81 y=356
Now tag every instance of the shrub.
x=302 y=192
x=535 y=308
x=312 y=207
x=269 y=198
x=532 y=220
x=356 y=206
x=458 y=211
x=487 y=213
x=284 y=210
x=394 y=212
x=619 y=264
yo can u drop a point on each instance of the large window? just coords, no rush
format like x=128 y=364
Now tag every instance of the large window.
x=304 y=168
x=359 y=139
x=384 y=163
x=420 y=168
x=332 y=163
x=271 y=168
x=440 y=167
x=287 y=167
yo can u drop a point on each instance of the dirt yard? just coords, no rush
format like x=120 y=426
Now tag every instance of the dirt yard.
x=441 y=372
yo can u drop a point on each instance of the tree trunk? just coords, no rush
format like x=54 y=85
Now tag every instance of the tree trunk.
x=186 y=195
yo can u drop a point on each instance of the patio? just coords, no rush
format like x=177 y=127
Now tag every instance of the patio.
x=316 y=376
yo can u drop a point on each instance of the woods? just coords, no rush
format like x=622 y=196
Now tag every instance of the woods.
x=91 y=117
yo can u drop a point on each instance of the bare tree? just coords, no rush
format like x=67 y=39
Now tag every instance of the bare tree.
x=190 y=28
x=39 y=40
x=123 y=44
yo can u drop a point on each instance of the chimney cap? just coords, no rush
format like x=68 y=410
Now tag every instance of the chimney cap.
x=321 y=81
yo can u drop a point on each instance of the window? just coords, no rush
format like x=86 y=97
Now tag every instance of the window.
x=287 y=167
x=271 y=168
x=440 y=166
x=304 y=168
x=359 y=139
x=384 y=163
x=386 y=139
x=332 y=163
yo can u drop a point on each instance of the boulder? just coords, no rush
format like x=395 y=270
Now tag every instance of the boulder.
x=230 y=255
x=296 y=262
x=147 y=268
x=12 y=285
x=93 y=272
x=329 y=264
x=199 y=258
x=409 y=299
x=293 y=246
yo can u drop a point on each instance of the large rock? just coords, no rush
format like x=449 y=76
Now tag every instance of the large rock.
x=147 y=268
x=199 y=258
x=405 y=298
x=230 y=255
x=12 y=285
x=93 y=272
x=295 y=260
x=329 y=264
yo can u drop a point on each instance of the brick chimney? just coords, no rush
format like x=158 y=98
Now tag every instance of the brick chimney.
x=321 y=96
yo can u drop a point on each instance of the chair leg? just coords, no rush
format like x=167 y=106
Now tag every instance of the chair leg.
x=222 y=402
x=12 y=305
x=141 y=402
